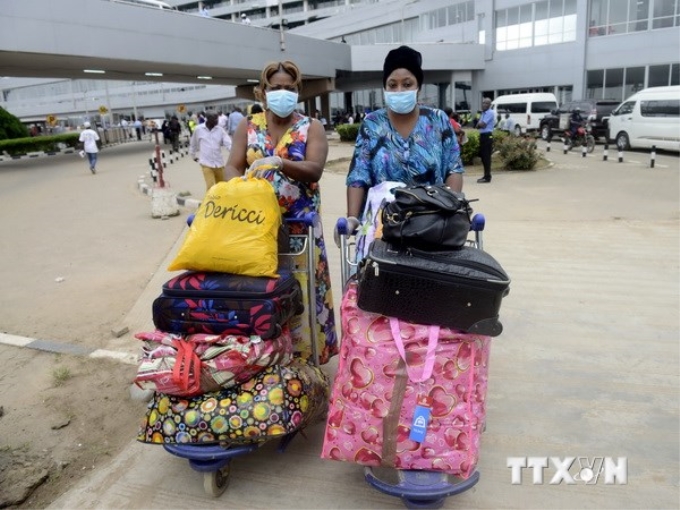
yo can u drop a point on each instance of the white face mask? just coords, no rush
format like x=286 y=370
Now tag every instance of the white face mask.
x=281 y=102
x=401 y=102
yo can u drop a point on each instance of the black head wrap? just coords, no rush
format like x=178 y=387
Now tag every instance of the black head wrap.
x=406 y=58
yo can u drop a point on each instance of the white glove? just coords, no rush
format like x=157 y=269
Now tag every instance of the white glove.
x=352 y=226
x=263 y=165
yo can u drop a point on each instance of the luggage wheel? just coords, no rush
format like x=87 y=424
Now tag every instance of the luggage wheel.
x=216 y=482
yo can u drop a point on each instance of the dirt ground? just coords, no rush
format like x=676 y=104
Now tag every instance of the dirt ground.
x=77 y=251
x=53 y=426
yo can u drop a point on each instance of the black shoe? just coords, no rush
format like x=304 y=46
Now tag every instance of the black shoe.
x=93 y=170
x=483 y=179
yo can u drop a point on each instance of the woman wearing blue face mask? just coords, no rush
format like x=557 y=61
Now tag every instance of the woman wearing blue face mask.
x=403 y=142
x=289 y=149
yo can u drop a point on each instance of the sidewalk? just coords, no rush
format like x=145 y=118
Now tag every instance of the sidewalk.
x=587 y=365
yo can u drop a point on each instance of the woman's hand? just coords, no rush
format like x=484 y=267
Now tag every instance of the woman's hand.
x=263 y=165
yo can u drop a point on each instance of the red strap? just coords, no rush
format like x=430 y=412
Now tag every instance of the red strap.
x=186 y=373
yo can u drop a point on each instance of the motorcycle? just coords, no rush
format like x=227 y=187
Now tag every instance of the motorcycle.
x=583 y=137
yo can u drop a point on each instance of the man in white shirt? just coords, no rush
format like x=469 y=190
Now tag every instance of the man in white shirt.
x=89 y=138
x=205 y=147
x=222 y=121
x=245 y=19
x=508 y=124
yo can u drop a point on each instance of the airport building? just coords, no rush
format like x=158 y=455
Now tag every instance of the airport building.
x=602 y=49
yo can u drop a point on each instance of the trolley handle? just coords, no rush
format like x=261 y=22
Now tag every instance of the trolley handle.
x=309 y=219
x=477 y=223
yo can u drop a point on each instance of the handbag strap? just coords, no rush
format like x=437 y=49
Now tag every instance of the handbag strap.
x=429 y=357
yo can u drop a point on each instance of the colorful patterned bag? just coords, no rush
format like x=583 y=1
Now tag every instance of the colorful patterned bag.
x=374 y=396
x=194 y=364
x=278 y=401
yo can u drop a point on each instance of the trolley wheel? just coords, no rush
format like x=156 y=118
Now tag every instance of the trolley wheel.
x=414 y=504
x=216 y=482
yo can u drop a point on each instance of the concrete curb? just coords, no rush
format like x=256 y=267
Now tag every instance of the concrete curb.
x=188 y=202
x=64 y=348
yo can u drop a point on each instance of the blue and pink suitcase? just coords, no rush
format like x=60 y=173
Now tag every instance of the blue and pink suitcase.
x=216 y=303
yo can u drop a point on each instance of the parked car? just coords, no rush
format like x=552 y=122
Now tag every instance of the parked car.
x=598 y=110
x=650 y=118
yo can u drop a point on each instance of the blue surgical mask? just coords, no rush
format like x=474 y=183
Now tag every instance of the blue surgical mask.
x=282 y=102
x=401 y=102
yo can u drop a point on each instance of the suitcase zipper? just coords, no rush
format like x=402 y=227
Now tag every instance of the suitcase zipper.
x=502 y=278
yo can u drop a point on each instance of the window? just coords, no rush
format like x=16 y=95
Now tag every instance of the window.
x=660 y=108
x=536 y=24
x=664 y=13
x=614 y=84
x=658 y=75
x=595 y=84
x=635 y=80
x=513 y=108
x=542 y=107
x=625 y=109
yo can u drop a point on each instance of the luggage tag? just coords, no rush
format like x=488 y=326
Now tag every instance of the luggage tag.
x=421 y=418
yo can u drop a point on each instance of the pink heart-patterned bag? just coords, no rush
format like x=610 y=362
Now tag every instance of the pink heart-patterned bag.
x=375 y=394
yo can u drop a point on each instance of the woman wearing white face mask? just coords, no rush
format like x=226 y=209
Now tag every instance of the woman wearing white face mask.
x=403 y=142
x=289 y=149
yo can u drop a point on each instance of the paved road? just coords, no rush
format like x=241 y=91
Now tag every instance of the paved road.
x=587 y=366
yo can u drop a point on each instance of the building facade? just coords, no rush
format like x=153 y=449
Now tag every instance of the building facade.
x=576 y=49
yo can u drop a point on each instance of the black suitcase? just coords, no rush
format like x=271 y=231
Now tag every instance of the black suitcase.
x=217 y=303
x=460 y=289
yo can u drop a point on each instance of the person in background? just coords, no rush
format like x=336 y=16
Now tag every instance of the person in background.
x=455 y=124
x=223 y=120
x=137 y=125
x=289 y=150
x=485 y=125
x=205 y=147
x=245 y=20
x=575 y=121
x=234 y=118
x=175 y=130
x=165 y=130
x=508 y=124
x=256 y=108
x=89 y=138
x=191 y=125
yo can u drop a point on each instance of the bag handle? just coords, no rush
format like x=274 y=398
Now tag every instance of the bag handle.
x=433 y=337
x=187 y=370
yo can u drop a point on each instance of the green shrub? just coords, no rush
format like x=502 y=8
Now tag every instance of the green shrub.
x=470 y=150
x=19 y=146
x=348 y=132
x=517 y=153
x=11 y=126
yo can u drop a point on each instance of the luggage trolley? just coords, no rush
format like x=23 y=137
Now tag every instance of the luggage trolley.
x=416 y=488
x=214 y=460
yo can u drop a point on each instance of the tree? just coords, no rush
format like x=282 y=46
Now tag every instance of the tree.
x=11 y=126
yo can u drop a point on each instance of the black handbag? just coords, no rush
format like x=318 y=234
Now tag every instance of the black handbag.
x=427 y=217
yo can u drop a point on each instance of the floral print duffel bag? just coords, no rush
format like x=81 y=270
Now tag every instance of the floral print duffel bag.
x=190 y=365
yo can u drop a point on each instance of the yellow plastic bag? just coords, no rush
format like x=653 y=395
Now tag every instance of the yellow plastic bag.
x=234 y=231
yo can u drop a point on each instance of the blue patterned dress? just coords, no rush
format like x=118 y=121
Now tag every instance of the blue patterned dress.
x=428 y=156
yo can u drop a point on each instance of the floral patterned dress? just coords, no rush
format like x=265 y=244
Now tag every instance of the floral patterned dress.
x=297 y=198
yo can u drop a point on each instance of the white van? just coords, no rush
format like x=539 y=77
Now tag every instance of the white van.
x=526 y=110
x=649 y=118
